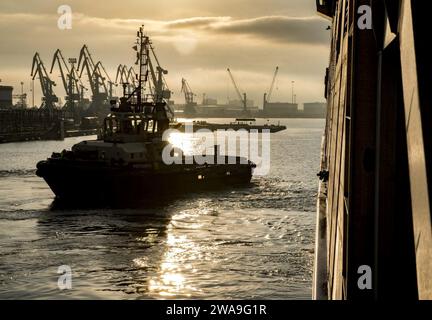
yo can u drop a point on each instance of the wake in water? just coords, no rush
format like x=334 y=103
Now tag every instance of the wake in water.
x=254 y=242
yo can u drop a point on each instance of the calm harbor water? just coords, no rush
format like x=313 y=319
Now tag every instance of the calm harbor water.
x=247 y=243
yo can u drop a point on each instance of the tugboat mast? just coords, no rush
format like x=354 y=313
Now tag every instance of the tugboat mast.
x=150 y=107
x=139 y=100
x=143 y=44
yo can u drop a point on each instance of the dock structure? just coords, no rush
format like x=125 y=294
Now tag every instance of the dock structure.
x=31 y=124
x=374 y=231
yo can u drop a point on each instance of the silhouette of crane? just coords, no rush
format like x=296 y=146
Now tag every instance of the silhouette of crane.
x=49 y=99
x=242 y=98
x=267 y=96
x=72 y=83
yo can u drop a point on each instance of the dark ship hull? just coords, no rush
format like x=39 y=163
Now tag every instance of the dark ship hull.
x=76 y=183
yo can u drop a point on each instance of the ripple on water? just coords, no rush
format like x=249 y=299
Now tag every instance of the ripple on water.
x=253 y=243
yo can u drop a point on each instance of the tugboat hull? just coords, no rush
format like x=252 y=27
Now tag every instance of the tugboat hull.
x=75 y=183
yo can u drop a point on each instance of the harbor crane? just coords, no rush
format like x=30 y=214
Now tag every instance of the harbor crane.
x=86 y=63
x=49 y=99
x=132 y=76
x=189 y=97
x=122 y=75
x=97 y=75
x=127 y=78
x=72 y=84
x=242 y=98
x=161 y=90
x=101 y=73
x=267 y=96
x=121 y=71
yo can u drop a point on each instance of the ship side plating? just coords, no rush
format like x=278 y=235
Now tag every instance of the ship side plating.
x=374 y=234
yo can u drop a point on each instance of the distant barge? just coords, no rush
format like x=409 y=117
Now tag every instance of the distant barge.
x=238 y=124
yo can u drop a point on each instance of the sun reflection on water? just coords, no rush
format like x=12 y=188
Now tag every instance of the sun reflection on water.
x=171 y=277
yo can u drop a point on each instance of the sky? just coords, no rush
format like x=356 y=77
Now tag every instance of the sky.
x=194 y=39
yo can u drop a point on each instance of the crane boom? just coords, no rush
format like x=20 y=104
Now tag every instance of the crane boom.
x=101 y=73
x=132 y=76
x=242 y=99
x=235 y=85
x=72 y=84
x=85 y=55
x=127 y=78
x=96 y=74
x=85 y=62
x=38 y=69
x=58 y=57
x=189 y=95
x=121 y=71
x=161 y=90
x=272 y=84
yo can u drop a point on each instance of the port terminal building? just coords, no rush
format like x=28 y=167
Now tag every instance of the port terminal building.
x=5 y=97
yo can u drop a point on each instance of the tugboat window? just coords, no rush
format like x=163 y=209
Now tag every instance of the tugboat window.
x=150 y=126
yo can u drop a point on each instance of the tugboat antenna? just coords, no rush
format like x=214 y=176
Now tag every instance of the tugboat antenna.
x=143 y=59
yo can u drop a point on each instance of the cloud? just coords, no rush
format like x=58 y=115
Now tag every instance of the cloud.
x=199 y=48
x=299 y=30
x=308 y=30
x=196 y=22
x=165 y=9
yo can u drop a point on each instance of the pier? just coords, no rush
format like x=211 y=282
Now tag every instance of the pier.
x=31 y=124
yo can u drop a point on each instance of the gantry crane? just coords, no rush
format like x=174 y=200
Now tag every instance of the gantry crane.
x=122 y=76
x=189 y=95
x=132 y=77
x=101 y=73
x=72 y=84
x=242 y=98
x=267 y=97
x=121 y=71
x=86 y=63
x=189 y=98
x=95 y=73
x=49 y=99
x=127 y=78
x=160 y=87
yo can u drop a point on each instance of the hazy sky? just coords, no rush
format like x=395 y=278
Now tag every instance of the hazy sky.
x=194 y=39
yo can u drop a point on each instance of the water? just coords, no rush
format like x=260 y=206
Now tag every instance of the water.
x=247 y=243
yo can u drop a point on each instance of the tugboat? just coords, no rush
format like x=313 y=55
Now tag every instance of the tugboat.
x=126 y=164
